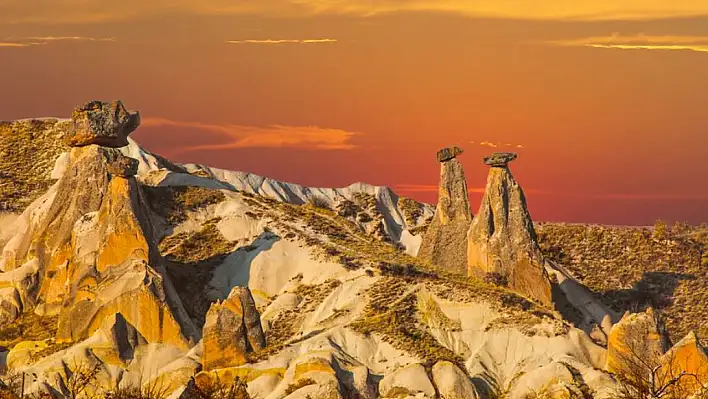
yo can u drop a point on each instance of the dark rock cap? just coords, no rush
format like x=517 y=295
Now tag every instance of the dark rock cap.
x=448 y=153
x=102 y=123
x=500 y=159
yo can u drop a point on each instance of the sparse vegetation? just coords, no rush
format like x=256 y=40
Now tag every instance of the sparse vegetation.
x=318 y=201
x=204 y=244
x=28 y=327
x=299 y=384
x=633 y=268
x=27 y=155
x=173 y=203
x=412 y=210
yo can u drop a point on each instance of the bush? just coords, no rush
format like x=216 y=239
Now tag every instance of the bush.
x=497 y=279
x=318 y=201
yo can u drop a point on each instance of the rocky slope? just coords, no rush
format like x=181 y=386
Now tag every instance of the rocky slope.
x=630 y=268
x=132 y=271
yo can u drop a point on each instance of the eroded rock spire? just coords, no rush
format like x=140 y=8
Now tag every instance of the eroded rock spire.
x=502 y=240
x=445 y=241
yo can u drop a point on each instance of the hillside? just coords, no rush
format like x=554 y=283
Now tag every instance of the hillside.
x=125 y=272
x=632 y=268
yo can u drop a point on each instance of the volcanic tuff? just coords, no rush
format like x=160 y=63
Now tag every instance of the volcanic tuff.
x=445 y=241
x=502 y=240
x=158 y=274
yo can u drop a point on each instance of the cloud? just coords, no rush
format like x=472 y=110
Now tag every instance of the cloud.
x=651 y=197
x=640 y=42
x=82 y=11
x=282 y=41
x=497 y=145
x=43 y=40
x=275 y=136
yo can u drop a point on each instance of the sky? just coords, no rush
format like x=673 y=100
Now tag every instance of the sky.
x=604 y=101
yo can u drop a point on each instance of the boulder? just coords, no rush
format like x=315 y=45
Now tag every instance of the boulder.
x=637 y=340
x=232 y=330
x=502 y=240
x=499 y=159
x=448 y=153
x=102 y=123
x=453 y=383
x=445 y=241
x=411 y=380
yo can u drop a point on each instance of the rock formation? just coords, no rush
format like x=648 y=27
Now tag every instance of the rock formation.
x=92 y=250
x=105 y=124
x=502 y=240
x=690 y=357
x=232 y=330
x=636 y=339
x=445 y=241
x=451 y=382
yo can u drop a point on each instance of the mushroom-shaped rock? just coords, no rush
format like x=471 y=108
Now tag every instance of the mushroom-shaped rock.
x=102 y=123
x=638 y=339
x=500 y=159
x=502 y=240
x=232 y=330
x=448 y=153
x=453 y=383
x=123 y=166
x=445 y=241
x=411 y=380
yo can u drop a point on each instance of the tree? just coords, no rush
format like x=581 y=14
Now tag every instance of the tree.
x=647 y=373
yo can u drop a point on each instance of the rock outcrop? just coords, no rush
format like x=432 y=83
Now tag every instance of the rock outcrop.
x=502 y=240
x=636 y=339
x=452 y=383
x=232 y=330
x=445 y=241
x=105 y=124
x=688 y=356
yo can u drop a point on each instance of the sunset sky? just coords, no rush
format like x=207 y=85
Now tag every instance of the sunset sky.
x=606 y=102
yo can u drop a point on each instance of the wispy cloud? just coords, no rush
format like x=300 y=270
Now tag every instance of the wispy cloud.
x=282 y=41
x=497 y=145
x=640 y=42
x=275 y=136
x=652 y=196
x=82 y=11
x=43 y=40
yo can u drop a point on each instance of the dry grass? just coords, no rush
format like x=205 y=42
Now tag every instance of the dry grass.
x=174 y=203
x=205 y=244
x=28 y=151
x=299 y=384
x=630 y=268
x=28 y=327
x=412 y=210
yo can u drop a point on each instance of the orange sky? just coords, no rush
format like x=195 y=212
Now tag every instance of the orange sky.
x=607 y=98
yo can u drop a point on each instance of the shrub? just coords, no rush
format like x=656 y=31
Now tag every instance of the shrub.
x=497 y=279
x=318 y=201
x=660 y=230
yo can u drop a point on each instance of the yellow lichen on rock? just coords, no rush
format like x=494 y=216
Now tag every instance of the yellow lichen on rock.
x=638 y=337
x=124 y=238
